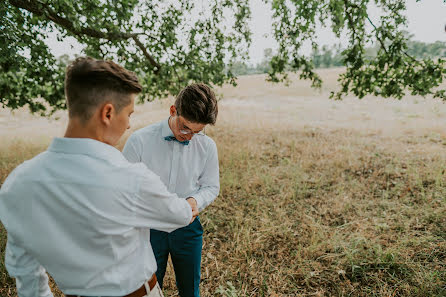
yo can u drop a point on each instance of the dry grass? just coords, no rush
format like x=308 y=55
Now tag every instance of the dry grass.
x=312 y=207
x=314 y=213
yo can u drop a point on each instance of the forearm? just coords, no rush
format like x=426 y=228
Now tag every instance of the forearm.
x=209 y=180
x=205 y=196
x=164 y=214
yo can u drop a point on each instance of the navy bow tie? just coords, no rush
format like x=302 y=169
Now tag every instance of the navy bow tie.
x=172 y=138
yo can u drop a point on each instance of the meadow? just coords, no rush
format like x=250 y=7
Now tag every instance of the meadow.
x=318 y=197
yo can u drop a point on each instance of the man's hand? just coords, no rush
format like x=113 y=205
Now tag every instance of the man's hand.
x=193 y=204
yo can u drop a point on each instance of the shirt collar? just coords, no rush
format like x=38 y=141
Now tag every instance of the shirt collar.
x=86 y=146
x=165 y=129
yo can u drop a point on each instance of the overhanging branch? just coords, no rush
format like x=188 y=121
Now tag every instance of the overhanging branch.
x=146 y=54
x=350 y=19
x=383 y=45
x=43 y=10
x=377 y=37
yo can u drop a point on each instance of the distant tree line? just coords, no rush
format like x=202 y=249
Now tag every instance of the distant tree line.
x=330 y=57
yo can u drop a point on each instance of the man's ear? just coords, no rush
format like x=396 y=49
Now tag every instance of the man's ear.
x=107 y=113
x=173 y=111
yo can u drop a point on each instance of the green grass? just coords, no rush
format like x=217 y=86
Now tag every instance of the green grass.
x=314 y=213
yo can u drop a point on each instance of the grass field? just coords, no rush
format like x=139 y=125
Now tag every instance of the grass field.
x=318 y=198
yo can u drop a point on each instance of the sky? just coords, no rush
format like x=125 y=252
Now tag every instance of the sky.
x=426 y=21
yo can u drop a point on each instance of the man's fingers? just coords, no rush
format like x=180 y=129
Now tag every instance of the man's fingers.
x=193 y=204
x=195 y=211
x=194 y=215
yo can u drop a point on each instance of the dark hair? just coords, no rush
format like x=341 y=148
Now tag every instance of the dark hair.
x=197 y=103
x=90 y=82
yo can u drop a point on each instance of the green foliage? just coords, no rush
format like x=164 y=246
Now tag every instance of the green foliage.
x=172 y=44
x=167 y=44
x=327 y=57
x=389 y=74
x=241 y=68
x=427 y=50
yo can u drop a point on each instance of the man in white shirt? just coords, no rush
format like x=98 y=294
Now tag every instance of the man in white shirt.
x=186 y=160
x=80 y=210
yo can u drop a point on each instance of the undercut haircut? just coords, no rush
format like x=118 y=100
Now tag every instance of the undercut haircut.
x=197 y=103
x=90 y=83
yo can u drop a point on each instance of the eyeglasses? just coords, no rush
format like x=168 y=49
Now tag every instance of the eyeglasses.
x=185 y=131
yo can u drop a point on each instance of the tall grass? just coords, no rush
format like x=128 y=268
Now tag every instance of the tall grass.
x=313 y=213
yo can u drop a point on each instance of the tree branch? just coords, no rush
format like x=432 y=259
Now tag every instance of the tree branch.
x=43 y=10
x=377 y=37
x=350 y=20
x=147 y=55
x=383 y=46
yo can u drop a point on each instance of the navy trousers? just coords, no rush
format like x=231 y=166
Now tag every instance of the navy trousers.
x=184 y=246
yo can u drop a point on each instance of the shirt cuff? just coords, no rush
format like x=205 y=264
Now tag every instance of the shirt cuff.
x=199 y=200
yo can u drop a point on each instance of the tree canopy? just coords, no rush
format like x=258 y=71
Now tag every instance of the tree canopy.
x=172 y=43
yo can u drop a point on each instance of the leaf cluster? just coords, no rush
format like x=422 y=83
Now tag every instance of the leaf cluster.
x=168 y=44
x=171 y=44
x=390 y=73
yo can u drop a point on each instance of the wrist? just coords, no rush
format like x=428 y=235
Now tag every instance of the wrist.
x=193 y=201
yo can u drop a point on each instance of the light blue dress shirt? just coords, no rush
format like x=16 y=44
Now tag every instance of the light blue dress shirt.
x=187 y=170
x=82 y=212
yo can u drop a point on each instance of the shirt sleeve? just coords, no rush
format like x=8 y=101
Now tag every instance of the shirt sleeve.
x=31 y=277
x=155 y=207
x=208 y=181
x=133 y=149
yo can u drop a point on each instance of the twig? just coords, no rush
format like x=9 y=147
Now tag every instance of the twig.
x=383 y=46
x=382 y=43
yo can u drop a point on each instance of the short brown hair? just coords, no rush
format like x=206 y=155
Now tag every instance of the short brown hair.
x=197 y=103
x=90 y=82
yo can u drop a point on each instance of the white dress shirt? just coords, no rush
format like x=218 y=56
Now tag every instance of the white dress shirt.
x=187 y=170
x=82 y=212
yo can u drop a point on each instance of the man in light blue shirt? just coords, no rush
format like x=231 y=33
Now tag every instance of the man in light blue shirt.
x=80 y=210
x=186 y=160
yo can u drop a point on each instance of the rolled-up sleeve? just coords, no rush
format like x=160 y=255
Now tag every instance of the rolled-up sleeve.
x=31 y=277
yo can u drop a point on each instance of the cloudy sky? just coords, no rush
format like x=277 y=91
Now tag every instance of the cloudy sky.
x=426 y=21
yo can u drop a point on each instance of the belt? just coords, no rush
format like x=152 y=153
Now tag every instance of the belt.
x=142 y=291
